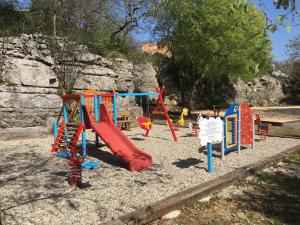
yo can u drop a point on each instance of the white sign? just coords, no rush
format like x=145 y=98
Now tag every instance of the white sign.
x=211 y=130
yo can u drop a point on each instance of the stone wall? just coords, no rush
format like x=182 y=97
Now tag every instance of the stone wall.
x=30 y=77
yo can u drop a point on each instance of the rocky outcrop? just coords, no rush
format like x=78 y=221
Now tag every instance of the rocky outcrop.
x=32 y=70
x=273 y=89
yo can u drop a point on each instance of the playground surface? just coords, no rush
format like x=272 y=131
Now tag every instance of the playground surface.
x=33 y=187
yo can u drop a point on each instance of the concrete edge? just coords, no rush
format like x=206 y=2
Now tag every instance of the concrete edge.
x=283 y=136
x=160 y=208
x=22 y=133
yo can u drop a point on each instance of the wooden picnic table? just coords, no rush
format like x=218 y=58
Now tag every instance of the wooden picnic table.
x=123 y=120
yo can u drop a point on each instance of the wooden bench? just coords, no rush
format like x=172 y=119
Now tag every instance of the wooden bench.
x=123 y=120
x=218 y=108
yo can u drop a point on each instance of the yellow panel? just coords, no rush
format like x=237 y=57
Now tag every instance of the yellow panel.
x=234 y=117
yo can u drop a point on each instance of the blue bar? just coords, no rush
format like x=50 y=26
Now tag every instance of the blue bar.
x=115 y=109
x=65 y=112
x=96 y=108
x=99 y=103
x=138 y=94
x=209 y=157
x=83 y=136
x=81 y=109
x=65 y=117
x=54 y=129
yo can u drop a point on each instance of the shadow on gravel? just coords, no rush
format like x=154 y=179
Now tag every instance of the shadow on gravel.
x=189 y=136
x=27 y=178
x=186 y=163
x=217 y=150
x=137 y=139
x=105 y=156
x=275 y=195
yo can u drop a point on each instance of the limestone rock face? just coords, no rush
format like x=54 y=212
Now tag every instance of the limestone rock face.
x=31 y=72
x=264 y=91
x=145 y=79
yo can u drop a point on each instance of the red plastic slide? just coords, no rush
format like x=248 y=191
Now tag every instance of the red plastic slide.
x=119 y=144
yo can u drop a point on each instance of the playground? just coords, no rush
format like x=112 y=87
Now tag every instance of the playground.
x=34 y=186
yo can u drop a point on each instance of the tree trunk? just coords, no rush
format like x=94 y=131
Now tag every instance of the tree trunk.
x=54 y=25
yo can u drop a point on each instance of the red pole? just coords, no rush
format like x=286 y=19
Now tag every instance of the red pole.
x=161 y=102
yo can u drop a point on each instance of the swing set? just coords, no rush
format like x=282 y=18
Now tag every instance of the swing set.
x=144 y=122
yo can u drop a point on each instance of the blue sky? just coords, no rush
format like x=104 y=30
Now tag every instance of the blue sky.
x=279 y=38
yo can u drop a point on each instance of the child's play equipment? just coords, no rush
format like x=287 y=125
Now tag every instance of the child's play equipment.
x=184 y=113
x=247 y=125
x=98 y=115
x=231 y=130
x=144 y=122
x=194 y=125
x=238 y=128
x=262 y=128
x=160 y=102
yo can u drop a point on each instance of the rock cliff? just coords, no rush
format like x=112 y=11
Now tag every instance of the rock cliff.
x=273 y=89
x=32 y=72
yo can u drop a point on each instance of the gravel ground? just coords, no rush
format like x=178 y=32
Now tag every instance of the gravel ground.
x=33 y=187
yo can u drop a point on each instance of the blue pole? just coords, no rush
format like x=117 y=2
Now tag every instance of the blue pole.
x=138 y=94
x=54 y=129
x=99 y=103
x=65 y=117
x=83 y=131
x=209 y=157
x=65 y=114
x=96 y=108
x=115 y=108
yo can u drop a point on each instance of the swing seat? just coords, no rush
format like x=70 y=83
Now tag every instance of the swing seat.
x=262 y=128
x=145 y=124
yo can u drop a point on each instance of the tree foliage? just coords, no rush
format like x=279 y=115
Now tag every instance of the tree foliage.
x=211 y=42
x=294 y=48
x=103 y=25
x=11 y=19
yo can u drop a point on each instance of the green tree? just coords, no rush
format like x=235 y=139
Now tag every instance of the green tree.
x=11 y=19
x=212 y=42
